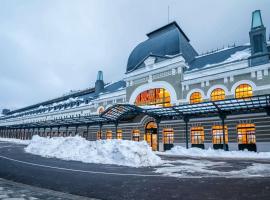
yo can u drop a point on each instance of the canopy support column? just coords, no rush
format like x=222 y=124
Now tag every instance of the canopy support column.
x=116 y=127
x=186 y=120
x=76 y=130
x=87 y=131
x=158 y=122
x=223 y=117
x=100 y=130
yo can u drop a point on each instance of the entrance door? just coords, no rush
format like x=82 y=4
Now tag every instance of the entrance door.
x=151 y=135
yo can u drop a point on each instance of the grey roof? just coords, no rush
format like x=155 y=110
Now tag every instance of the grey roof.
x=168 y=40
x=83 y=95
x=215 y=57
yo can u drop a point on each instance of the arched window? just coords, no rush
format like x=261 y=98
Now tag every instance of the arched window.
x=101 y=110
x=217 y=94
x=197 y=135
x=196 y=97
x=119 y=134
x=136 y=135
x=157 y=96
x=243 y=91
x=246 y=133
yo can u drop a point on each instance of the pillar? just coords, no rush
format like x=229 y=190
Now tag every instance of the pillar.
x=186 y=120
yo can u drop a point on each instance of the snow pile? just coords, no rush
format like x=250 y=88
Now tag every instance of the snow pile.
x=211 y=153
x=118 y=152
x=13 y=140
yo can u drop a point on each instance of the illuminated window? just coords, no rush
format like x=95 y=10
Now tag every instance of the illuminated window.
x=99 y=135
x=136 y=135
x=119 y=134
x=246 y=133
x=109 y=134
x=243 y=91
x=217 y=132
x=101 y=110
x=217 y=94
x=197 y=135
x=168 y=135
x=157 y=96
x=196 y=97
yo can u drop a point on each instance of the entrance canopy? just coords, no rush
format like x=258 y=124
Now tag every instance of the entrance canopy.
x=124 y=112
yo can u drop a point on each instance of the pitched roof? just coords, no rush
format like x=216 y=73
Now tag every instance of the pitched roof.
x=217 y=57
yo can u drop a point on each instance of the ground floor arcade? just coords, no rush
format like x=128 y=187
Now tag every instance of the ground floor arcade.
x=242 y=122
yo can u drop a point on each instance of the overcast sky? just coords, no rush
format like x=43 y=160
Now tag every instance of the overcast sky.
x=50 y=47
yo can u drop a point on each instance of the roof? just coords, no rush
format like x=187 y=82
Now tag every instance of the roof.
x=168 y=40
x=218 y=57
x=83 y=95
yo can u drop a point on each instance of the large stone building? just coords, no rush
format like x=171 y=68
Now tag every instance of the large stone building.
x=163 y=71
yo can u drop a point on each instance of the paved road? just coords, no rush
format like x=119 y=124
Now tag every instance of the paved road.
x=117 y=182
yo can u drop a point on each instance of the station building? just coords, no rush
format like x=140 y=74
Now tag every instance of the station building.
x=162 y=72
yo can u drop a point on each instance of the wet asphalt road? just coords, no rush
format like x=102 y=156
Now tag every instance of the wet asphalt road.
x=118 y=182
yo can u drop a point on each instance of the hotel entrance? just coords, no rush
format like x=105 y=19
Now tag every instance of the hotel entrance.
x=151 y=135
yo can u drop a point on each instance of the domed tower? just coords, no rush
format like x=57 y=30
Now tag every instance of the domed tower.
x=155 y=66
x=169 y=40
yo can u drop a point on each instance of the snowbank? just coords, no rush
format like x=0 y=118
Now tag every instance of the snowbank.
x=16 y=141
x=211 y=153
x=118 y=152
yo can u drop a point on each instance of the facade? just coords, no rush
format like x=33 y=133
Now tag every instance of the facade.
x=163 y=71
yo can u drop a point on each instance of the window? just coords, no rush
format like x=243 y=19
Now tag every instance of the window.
x=243 y=91
x=136 y=135
x=217 y=132
x=119 y=134
x=258 y=41
x=197 y=135
x=109 y=134
x=101 y=110
x=168 y=135
x=246 y=133
x=217 y=94
x=157 y=96
x=99 y=135
x=196 y=97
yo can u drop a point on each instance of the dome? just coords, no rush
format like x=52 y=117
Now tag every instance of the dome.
x=165 y=41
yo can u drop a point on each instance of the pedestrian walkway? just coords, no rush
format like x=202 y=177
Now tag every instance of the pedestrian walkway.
x=16 y=191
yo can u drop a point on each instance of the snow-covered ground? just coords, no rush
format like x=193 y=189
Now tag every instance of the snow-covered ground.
x=211 y=153
x=13 y=140
x=118 y=152
x=205 y=168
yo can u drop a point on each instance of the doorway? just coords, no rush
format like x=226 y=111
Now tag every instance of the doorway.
x=150 y=135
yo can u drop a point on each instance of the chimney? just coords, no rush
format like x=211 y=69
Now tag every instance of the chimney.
x=99 y=85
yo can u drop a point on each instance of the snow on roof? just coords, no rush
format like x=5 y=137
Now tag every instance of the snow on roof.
x=220 y=57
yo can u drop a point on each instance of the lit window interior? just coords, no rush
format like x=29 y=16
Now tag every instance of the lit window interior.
x=157 y=96
x=168 y=135
x=195 y=97
x=136 y=135
x=217 y=132
x=246 y=134
x=243 y=91
x=197 y=135
x=217 y=94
